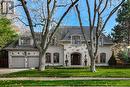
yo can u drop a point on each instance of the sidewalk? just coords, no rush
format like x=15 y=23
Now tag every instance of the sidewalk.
x=58 y=78
x=6 y=71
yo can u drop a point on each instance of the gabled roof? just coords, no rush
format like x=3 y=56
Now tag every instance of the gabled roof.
x=15 y=46
x=107 y=40
x=64 y=34
x=75 y=30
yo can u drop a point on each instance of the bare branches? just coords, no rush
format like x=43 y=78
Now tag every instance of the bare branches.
x=59 y=22
x=89 y=13
x=81 y=25
x=53 y=8
x=48 y=14
x=109 y=16
x=99 y=5
x=30 y=22
x=97 y=11
x=62 y=5
x=106 y=3
x=34 y=24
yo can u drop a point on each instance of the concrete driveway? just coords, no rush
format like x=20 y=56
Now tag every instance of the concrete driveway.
x=6 y=71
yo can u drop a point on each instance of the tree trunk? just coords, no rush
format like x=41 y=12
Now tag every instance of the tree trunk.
x=41 y=61
x=93 y=67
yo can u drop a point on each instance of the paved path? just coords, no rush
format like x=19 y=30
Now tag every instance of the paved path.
x=6 y=71
x=58 y=78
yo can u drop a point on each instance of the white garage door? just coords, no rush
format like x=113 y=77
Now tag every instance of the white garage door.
x=18 y=62
x=33 y=62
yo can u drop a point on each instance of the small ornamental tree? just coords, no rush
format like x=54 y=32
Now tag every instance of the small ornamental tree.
x=112 y=60
x=7 y=34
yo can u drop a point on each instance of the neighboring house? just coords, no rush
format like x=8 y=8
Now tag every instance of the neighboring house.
x=67 y=45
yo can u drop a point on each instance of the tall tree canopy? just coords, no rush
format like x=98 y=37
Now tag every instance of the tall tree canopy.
x=121 y=32
x=7 y=34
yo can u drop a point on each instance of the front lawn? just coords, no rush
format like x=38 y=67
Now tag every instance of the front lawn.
x=66 y=83
x=72 y=72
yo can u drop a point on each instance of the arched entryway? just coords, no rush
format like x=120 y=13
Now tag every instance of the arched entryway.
x=75 y=59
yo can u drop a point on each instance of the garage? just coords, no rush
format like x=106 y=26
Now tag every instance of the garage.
x=33 y=61
x=21 y=62
x=18 y=62
x=3 y=59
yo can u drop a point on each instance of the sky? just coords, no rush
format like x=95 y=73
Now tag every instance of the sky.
x=72 y=20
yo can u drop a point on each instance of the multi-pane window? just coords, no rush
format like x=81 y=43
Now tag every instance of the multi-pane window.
x=56 y=57
x=76 y=40
x=102 y=57
x=53 y=41
x=7 y=7
x=48 y=57
x=101 y=41
x=25 y=41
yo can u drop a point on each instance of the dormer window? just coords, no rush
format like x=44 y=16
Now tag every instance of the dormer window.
x=25 y=41
x=76 y=39
x=53 y=41
x=101 y=41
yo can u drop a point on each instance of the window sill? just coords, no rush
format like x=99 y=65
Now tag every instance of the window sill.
x=76 y=44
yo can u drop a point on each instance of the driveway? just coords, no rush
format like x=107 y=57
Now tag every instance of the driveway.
x=6 y=71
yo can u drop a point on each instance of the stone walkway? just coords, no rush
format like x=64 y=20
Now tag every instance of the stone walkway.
x=58 y=78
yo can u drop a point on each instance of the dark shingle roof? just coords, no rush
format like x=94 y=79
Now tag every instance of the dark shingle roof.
x=65 y=33
x=15 y=46
x=75 y=30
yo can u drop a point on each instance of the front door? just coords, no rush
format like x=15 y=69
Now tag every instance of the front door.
x=75 y=59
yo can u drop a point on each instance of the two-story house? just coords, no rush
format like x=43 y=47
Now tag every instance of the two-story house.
x=67 y=46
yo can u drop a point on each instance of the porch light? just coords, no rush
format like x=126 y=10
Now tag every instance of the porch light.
x=128 y=47
x=122 y=49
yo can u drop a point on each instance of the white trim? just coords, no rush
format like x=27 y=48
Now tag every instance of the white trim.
x=79 y=37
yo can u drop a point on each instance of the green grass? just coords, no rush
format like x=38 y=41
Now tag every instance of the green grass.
x=69 y=72
x=65 y=83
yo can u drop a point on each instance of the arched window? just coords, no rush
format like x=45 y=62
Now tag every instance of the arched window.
x=75 y=39
x=48 y=57
x=102 y=57
x=56 y=57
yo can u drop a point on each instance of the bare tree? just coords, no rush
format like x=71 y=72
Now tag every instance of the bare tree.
x=96 y=12
x=46 y=15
